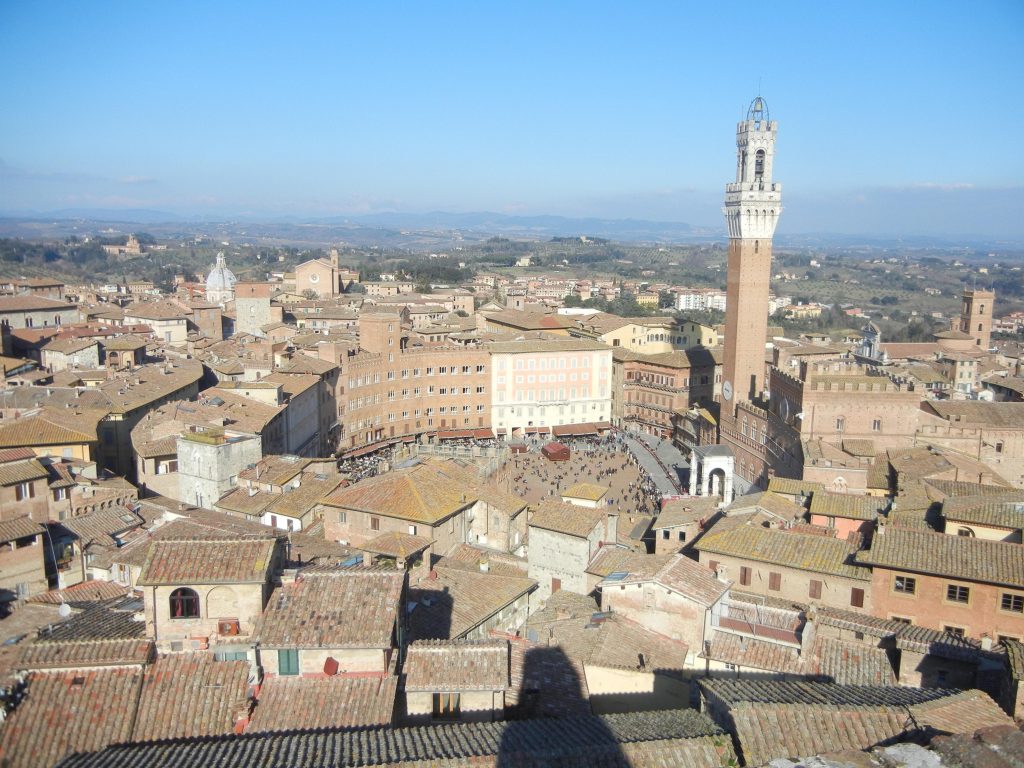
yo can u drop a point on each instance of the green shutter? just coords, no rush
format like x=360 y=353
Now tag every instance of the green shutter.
x=288 y=662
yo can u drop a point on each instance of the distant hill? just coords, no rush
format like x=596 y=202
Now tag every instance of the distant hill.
x=527 y=226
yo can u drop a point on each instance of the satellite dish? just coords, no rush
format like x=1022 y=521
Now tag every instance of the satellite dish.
x=64 y=610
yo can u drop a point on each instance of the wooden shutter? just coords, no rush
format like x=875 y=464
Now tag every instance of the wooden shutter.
x=775 y=581
x=815 y=590
x=857 y=597
x=744 y=576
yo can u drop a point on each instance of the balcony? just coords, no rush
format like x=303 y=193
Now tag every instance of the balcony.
x=763 y=622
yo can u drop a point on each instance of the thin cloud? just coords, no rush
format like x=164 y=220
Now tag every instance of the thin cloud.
x=137 y=180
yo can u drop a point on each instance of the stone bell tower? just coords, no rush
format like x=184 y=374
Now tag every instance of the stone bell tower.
x=752 y=207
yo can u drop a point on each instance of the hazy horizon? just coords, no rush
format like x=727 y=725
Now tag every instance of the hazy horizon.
x=889 y=123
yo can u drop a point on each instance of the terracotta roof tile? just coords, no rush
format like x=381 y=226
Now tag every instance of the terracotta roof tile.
x=560 y=517
x=302 y=703
x=87 y=591
x=460 y=599
x=847 y=505
x=340 y=608
x=983 y=510
x=684 y=511
x=427 y=493
x=93 y=707
x=15 y=472
x=574 y=624
x=85 y=653
x=397 y=544
x=19 y=528
x=50 y=427
x=680 y=738
x=819 y=554
x=587 y=491
x=457 y=665
x=849 y=663
x=188 y=695
x=958 y=557
x=225 y=561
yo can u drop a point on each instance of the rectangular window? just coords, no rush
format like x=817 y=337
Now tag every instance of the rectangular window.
x=775 y=581
x=446 y=706
x=857 y=597
x=288 y=661
x=1011 y=602
x=342 y=516
x=815 y=590
x=374 y=523
x=744 y=576
x=957 y=594
x=905 y=585
x=957 y=631
x=900 y=619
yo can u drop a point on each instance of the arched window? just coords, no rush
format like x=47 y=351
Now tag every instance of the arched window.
x=184 y=603
x=966 y=532
x=759 y=164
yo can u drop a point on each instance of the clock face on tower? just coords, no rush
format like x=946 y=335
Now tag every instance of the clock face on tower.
x=727 y=390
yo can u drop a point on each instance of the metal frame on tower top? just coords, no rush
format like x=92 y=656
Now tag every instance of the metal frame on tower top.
x=758 y=111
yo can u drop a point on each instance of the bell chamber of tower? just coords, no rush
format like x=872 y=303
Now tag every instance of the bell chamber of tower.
x=753 y=202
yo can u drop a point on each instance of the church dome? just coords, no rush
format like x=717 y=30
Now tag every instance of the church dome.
x=220 y=278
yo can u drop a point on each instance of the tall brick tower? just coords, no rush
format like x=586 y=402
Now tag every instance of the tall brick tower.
x=752 y=207
x=976 y=315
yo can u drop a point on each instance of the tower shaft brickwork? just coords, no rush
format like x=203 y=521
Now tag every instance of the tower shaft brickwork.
x=752 y=207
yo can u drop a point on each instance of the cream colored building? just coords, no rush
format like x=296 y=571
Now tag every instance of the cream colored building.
x=200 y=593
x=549 y=382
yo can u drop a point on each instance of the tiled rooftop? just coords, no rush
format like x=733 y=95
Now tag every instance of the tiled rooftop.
x=397 y=544
x=983 y=510
x=586 y=491
x=574 y=624
x=819 y=554
x=847 y=505
x=734 y=692
x=561 y=517
x=85 y=653
x=92 y=706
x=858 y=622
x=94 y=591
x=678 y=573
x=428 y=492
x=457 y=665
x=15 y=472
x=958 y=557
x=19 y=528
x=849 y=663
x=188 y=695
x=50 y=427
x=685 y=511
x=680 y=738
x=757 y=654
x=342 y=608
x=306 y=703
x=98 y=622
x=460 y=599
x=224 y=561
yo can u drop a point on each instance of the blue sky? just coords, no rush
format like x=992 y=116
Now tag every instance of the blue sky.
x=895 y=118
